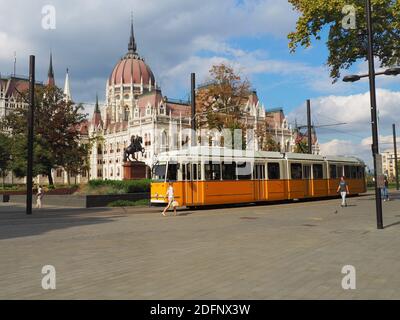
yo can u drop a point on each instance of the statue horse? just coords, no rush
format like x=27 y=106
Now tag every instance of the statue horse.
x=133 y=148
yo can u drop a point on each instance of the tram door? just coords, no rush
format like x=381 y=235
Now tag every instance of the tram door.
x=259 y=183
x=192 y=191
x=307 y=180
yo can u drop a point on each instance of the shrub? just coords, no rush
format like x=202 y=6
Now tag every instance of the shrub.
x=120 y=187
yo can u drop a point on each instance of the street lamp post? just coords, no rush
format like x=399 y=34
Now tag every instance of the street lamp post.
x=31 y=112
x=372 y=91
x=371 y=75
x=396 y=165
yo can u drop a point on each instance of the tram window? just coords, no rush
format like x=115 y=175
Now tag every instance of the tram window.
x=188 y=172
x=347 y=171
x=159 y=172
x=172 y=172
x=339 y=171
x=318 y=171
x=212 y=171
x=243 y=171
x=194 y=171
x=353 y=170
x=296 y=171
x=274 y=171
x=259 y=172
x=199 y=171
x=229 y=171
x=183 y=172
x=332 y=171
x=360 y=173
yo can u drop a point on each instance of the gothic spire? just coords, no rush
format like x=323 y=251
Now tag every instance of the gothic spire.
x=132 y=43
x=96 y=108
x=67 y=89
x=50 y=73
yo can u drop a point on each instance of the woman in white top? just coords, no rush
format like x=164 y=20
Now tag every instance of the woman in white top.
x=170 y=196
x=39 y=197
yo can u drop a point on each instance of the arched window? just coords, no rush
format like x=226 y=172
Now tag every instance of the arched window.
x=136 y=113
x=162 y=110
x=148 y=111
x=126 y=113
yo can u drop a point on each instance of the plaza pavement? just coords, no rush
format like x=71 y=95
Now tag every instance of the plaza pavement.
x=281 y=251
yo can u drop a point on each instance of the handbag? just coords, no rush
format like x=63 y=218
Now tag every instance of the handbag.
x=175 y=203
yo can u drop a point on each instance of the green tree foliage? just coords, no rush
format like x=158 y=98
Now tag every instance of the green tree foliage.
x=347 y=46
x=5 y=155
x=56 y=134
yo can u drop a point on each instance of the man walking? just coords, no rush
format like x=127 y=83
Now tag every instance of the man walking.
x=343 y=188
x=385 y=190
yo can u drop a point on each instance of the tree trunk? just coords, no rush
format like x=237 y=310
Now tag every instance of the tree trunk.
x=50 y=177
x=68 y=178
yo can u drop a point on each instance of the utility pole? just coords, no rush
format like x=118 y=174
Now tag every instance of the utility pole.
x=309 y=127
x=31 y=113
x=372 y=90
x=396 y=165
x=193 y=107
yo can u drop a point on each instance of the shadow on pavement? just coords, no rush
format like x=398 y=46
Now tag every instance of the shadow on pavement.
x=392 y=225
x=14 y=222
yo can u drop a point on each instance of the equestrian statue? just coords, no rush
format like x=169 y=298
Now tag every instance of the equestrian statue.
x=133 y=148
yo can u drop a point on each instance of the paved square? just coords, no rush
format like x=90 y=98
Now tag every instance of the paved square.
x=283 y=251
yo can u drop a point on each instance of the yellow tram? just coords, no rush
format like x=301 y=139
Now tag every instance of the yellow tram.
x=204 y=176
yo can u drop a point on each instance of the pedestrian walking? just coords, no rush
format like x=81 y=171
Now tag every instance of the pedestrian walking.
x=39 y=197
x=385 y=190
x=343 y=188
x=171 y=199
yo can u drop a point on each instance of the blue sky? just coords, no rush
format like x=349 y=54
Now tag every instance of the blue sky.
x=177 y=37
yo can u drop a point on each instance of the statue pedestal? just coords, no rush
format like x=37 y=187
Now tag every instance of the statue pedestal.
x=135 y=170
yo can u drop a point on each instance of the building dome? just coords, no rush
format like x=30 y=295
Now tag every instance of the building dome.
x=132 y=69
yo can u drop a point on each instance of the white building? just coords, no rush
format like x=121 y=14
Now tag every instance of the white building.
x=388 y=164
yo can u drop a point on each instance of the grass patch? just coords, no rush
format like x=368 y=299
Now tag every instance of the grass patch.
x=127 y=203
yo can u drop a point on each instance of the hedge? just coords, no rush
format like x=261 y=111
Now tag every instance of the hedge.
x=126 y=186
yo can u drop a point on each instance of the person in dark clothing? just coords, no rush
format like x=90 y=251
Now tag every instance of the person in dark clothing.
x=385 y=190
x=343 y=188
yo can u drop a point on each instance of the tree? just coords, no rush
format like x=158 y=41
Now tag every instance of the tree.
x=220 y=103
x=347 y=45
x=265 y=140
x=56 y=133
x=222 y=100
x=5 y=155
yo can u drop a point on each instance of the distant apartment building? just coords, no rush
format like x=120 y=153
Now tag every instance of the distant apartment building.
x=388 y=164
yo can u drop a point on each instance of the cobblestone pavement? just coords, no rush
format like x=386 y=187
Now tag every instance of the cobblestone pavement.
x=281 y=251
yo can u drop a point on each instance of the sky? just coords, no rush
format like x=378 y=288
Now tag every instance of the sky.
x=177 y=37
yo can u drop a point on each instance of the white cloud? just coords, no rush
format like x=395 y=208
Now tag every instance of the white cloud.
x=354 y=110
